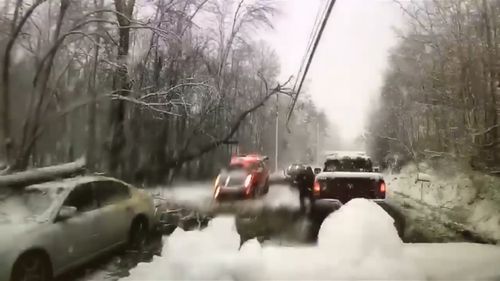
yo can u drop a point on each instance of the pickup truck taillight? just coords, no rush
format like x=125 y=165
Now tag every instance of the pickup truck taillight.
x=382 y=187
x=316 y=188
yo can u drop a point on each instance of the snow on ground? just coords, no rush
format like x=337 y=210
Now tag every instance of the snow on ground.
x=467 y=197
x=200 y=195
x=357 y=242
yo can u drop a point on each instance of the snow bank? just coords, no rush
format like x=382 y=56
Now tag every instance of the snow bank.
x=456 y=261
x=470 y=198
x=357 y=242
x=211 y=254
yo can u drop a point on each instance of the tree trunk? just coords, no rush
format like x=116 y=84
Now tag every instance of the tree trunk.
x=121 y=86
x=92 y=109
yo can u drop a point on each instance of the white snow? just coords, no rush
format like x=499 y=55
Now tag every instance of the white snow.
x=456 y=261
x=356 y=242
x=201 y=196
x=470 y=198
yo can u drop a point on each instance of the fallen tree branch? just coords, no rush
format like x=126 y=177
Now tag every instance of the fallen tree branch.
x=25 y=178
x=183 y=158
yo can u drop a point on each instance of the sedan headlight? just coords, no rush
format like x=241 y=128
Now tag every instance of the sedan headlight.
x=217 y=181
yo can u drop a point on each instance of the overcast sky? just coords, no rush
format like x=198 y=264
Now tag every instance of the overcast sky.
x=348 y=68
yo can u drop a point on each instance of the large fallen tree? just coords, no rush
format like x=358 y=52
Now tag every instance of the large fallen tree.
x=39 y=175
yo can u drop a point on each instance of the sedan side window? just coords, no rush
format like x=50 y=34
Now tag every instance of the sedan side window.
x=82 y=198
x=109 y=192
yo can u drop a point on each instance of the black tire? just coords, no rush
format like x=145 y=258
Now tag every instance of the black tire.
x=32 y=267
x=138 y=233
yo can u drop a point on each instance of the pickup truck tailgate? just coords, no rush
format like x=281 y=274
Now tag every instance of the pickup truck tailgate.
x=346 y=186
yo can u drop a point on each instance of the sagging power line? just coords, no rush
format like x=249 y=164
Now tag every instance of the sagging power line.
x=317 y=33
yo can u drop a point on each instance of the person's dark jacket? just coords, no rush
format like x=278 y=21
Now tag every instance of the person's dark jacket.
x=305 y=180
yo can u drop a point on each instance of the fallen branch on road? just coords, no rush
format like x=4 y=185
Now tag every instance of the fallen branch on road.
x=38 y=175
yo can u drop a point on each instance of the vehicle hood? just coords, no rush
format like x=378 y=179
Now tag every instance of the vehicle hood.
x=352 y=175
x=233 y=179
x=10 y=232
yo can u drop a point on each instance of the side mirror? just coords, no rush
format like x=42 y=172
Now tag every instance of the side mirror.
x=265 y=158
x=317 y=170
x=66 y=212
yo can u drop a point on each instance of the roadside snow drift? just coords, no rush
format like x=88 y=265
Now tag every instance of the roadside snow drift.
x=356 y=242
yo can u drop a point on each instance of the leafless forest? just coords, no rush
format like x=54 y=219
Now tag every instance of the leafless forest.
x=440 y=95
x=149 y=88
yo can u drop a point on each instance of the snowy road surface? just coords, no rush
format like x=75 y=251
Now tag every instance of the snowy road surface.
x=200 y=195
x=357 y=242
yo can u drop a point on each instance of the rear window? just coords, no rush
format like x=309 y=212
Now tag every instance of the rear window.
x=236 y=167
x=349 y=165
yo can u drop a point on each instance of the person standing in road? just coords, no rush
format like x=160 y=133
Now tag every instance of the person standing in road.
x=305 y=182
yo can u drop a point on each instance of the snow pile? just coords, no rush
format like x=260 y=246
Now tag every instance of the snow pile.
x=211 y=254
x=357 y=242
x=470 y=198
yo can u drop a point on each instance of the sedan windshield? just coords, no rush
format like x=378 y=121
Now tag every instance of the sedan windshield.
x=29 y=204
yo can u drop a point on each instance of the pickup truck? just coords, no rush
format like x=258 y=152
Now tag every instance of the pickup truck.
x=348 y=175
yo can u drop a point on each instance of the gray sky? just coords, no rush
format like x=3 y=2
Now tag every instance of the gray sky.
x=348 y=68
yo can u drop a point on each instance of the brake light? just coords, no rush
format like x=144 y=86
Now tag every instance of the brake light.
x=382 y=187
x=316 y=188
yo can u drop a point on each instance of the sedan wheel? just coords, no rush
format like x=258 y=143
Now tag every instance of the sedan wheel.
x=31 y=267
x=138 y=235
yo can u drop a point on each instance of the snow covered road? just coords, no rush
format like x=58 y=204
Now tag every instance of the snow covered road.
x=199 y=196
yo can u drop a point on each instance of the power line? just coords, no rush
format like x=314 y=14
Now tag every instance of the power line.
x=311 y=56
x=314 y=31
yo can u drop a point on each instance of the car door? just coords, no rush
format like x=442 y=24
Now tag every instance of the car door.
x=77 y=237
x=116 y=211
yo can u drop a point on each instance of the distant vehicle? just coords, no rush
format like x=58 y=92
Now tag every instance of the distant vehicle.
x=348 y=175
x=246 y=177
x=292 y=171
x=49 y=228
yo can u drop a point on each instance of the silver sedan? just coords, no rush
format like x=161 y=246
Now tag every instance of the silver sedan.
x=47 y=229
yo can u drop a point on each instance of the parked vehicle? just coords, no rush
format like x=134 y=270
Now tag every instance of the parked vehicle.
x=292 y=171
x=49 y=228
x=348 y=175
x=246 y=177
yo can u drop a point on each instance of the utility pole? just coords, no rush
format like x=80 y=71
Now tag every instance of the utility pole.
x=317 y=142
x=276 y=145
